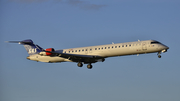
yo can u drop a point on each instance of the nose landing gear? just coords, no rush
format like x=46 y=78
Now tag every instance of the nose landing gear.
x=159 y=56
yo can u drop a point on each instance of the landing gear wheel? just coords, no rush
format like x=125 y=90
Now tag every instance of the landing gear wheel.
x=159 y=56
x=89 y=66
x=79 y=64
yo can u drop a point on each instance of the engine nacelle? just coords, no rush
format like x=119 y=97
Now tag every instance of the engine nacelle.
x=47 y=53
x=50 y=50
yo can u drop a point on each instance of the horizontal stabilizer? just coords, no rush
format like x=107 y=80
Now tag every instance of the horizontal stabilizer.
x=12 y=41
x=21 y=42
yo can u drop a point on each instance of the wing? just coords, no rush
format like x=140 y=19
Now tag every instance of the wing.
x=78 y=57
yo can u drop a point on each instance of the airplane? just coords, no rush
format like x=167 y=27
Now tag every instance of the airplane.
x=91 y=54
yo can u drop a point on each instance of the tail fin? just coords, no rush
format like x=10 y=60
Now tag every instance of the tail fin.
x=30 y=47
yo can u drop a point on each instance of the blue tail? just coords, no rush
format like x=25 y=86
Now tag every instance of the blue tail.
x=30 y=47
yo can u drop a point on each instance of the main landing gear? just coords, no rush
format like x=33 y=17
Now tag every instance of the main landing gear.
x=79 y=64
x=89 y=66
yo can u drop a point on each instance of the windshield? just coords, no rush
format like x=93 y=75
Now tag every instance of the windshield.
x=155 y=42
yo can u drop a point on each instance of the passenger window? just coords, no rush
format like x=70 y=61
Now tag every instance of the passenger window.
x=90 y=49
x=83 y=50
x=115 y=46
x=79 y=50
x=112 y=46
x=122 y=45
x=76 y=51
x=69 y=51
x=99 y=48
x=86 y=49
x=95 y=48
x=129 y=45
x=119 y=46
x=104 y=47
x=108 y=47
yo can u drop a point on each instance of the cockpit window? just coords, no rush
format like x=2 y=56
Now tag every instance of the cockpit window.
x=155 y=42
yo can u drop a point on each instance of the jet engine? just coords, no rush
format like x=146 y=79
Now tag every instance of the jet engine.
x=47 y=53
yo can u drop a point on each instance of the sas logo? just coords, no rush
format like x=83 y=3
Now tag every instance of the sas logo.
x=33 y=50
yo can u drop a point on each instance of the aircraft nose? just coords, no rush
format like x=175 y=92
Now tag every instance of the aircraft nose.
x=166 y=47
x=28 y=58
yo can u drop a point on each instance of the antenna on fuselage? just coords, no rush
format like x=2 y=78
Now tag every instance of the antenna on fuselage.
x=112 y=42
x=138 y=40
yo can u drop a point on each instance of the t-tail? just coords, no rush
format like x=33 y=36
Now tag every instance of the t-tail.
x=30 y=47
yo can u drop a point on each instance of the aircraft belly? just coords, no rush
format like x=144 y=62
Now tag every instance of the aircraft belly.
x=50 y=59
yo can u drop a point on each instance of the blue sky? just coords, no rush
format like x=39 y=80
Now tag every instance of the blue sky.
x=76 y=23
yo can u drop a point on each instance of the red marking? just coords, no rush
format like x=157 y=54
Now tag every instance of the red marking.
x=50 y=50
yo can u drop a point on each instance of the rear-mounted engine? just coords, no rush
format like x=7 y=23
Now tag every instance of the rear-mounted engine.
x=48 y=52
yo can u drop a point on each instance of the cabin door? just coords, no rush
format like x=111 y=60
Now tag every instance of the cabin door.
x=144 y=46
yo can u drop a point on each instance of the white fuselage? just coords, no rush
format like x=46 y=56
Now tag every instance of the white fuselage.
x=109 y=50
